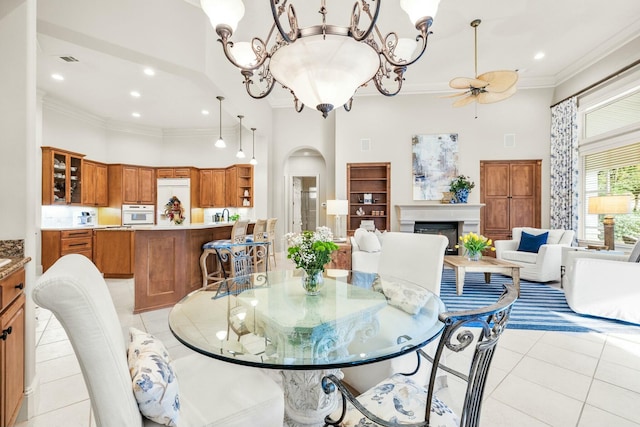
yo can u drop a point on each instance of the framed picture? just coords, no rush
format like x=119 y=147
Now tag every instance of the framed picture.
x=368 y=199
x=435 y=164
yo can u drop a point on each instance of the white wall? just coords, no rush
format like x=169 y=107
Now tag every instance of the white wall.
x=390 y=124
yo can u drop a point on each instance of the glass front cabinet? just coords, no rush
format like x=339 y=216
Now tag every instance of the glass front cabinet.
x=61 y=177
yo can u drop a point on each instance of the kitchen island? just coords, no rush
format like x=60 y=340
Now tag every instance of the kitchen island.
x=163 y=260
x=167 y=261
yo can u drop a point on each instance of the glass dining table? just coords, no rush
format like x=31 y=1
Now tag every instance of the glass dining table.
x=266 y=320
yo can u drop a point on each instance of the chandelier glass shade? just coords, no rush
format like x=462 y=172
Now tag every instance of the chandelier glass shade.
x=322 y=65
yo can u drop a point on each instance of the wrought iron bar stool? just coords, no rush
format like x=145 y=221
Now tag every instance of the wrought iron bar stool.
x=238 y=235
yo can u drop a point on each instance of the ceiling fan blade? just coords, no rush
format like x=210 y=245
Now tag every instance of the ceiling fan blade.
x=499 y=81
x=466 y=83
x=453 y=95
x=464 y=101
x=490 y=97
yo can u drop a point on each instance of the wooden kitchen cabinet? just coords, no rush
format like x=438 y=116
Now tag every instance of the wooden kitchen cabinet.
x=212 y=188
x=12 y=331
x=131 y=185
x=57 y=243
x=113 y=252
x=184 y=172
x=61 y=177
x=239 y=186
x=95 y=190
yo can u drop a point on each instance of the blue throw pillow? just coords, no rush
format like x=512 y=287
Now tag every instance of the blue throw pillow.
x=532 y=243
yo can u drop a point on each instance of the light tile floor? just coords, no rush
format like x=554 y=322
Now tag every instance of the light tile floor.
x=537 y=378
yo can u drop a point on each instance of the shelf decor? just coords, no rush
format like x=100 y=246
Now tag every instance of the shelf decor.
x=461 y=187
x=435 y=164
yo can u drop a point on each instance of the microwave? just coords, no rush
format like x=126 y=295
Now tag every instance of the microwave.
x=138 y=215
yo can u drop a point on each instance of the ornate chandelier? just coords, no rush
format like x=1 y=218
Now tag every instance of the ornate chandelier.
x=322 y=65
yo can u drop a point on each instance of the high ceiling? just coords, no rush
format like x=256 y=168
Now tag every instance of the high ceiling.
x=113 y=41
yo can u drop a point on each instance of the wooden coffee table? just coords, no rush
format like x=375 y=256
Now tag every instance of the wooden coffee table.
x=486 y=265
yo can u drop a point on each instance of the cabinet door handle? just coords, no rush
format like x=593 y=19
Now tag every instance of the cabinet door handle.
x=20 y=286
x=83 y=233
x=6 y=332
x=78 y=244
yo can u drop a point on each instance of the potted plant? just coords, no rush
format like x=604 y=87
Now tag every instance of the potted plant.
x=460 y=187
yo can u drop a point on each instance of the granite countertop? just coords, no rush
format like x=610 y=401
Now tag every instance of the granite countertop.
x=146 y=227
x=15 y=264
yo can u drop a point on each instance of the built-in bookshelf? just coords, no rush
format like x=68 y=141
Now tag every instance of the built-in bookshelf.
x=369 y=195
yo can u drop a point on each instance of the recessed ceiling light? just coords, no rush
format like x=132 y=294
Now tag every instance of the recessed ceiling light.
x=205 y=112
x=135 y=93
x=539 y=55
x=149 y=72
x=136 y=115
x=57 y=76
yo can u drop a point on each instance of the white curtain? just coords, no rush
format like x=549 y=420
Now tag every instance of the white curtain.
x=564 y=165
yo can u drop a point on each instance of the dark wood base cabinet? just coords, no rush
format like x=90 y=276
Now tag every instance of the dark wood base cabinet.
x=167 y=264
x=113 y=252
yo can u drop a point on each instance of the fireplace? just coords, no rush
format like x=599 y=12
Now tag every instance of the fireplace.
x=447 y=229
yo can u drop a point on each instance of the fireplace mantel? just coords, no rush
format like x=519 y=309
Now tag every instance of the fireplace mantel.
x=467 y=215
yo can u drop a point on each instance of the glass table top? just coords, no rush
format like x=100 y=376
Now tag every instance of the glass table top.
x=268 y=320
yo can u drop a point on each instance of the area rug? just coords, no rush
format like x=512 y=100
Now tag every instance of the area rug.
x=540 y=306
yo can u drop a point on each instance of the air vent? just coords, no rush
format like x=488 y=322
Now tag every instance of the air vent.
x=68 y=59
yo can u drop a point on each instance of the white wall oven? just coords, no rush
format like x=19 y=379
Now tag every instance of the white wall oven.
x=138 y=214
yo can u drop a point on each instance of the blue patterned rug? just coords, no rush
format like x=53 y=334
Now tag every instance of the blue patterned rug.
x=539 y=307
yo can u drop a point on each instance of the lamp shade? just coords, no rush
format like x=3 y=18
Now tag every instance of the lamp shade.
x=337 y=207
x=609 y=205
x=228 y=12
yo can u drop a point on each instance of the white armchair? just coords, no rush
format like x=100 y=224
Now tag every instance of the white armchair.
x=543 y=266
x=604 y=285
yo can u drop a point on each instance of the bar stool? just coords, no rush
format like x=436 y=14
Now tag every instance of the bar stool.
x=238 y=235
x=259 y=235
x=271 y=237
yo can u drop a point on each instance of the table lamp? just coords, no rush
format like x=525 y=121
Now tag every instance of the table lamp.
x=338 y=208
x=608 y=206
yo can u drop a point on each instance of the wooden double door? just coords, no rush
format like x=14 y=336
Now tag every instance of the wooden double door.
x=510 y=190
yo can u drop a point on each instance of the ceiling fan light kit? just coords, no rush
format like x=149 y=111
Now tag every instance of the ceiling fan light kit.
x=486 y=88
x=322 y=65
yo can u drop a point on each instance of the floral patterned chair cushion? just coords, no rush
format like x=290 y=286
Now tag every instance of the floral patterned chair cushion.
x=399 y=399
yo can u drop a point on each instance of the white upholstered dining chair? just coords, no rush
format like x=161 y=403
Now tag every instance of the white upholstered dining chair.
x=416 y=258
x=211 y=392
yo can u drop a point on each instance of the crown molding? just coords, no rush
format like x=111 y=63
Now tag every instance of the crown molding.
x=68 y=110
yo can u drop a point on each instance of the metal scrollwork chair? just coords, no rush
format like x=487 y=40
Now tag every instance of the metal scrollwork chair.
x=238 y=235
x=399 y=401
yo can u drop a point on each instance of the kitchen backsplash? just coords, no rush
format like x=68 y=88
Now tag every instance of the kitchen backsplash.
x=67 y=216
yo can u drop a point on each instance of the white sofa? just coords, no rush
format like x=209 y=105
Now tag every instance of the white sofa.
x=604 y=285
x=543 y=266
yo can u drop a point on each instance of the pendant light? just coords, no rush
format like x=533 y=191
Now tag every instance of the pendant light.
x=253 y=158
x=220 y=142
x=240 y=154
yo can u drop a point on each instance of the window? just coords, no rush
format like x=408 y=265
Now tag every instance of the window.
x=614 y=171
x=610 y=155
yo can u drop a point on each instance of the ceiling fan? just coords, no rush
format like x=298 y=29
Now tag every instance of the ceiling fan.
x=485 y=88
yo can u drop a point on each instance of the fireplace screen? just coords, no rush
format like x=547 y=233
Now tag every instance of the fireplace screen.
x=447 y=229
